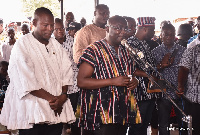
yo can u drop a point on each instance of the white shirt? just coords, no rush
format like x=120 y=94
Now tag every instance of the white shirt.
x=6 y=51
x=31 y=68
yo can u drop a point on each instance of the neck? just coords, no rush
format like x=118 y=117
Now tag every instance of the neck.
x=139 y=36
x=60 y=40
x=43 y=41
x=114 y=44
x=99 y=25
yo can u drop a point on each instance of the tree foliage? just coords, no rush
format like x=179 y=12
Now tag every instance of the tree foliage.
x=29 y=6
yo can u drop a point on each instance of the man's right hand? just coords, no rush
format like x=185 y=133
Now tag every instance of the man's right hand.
x=121 y=81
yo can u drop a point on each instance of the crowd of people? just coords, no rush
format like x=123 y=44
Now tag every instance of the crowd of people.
x=66 y=77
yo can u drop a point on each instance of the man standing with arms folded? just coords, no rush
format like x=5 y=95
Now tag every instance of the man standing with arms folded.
x=36 y=101
x=91 y=33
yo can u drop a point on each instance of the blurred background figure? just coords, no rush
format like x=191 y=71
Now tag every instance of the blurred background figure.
x=69 y=18
x=7 y=47
x=131 y=26
x=1 y=25
x=191 y=21
x=184 y=33
x=25 y=28
x=83 y=22
x=196 y=34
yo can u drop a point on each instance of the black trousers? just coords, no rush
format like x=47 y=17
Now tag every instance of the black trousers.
x=43 y=129
x=107 y=129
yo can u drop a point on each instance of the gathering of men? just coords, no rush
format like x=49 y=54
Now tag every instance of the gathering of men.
x=68 y=78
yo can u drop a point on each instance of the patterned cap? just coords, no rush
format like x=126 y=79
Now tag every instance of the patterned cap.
x=146 y=21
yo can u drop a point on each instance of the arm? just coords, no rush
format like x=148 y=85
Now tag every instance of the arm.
x=80 y=44
x=182 y=78
x=85 y=81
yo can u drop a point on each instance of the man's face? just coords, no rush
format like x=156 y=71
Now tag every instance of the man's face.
x=25 y=29
x=168 y=36
x=3 y=70
x=149 y=32
x=69 y=17
x=117 y=31
x=1 y=28
x=131 y=29
x=59 y=31
x=72 y=32
x=44 y=26
x=11 y=33
x=102 y=15
x=83 y=22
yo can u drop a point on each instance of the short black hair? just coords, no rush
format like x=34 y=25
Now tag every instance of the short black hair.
x=168 y=26
x=100 y=6
x=42 y=10
x=58 y=20
x=116 y=18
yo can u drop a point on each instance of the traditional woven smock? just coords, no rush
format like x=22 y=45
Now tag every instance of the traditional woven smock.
x=31 y=68
x=111 y=104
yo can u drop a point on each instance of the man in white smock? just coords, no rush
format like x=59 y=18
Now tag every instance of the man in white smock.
x=36 y=101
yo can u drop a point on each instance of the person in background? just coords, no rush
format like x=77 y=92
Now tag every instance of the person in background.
x=167 y=56
x=67 y=43
x=2 y=36
x=40 y=72
x=91 y=33
x=25 y=29
x=146 y=101
x=69 y=18
x=7 y=47
x=83 y=22
x=198 y=27
x=131 y=26
x=196 y=38
x=184 y=33
x=159 y=40
x=1 y=26
x=188 y=83
x=106 y=102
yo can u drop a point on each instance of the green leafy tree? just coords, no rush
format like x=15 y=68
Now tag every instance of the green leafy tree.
x=29 y=6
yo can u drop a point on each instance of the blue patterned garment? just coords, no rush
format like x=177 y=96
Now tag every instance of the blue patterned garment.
x=141 y=91
x=169 y=73
x=191 y=60
x=111 y=104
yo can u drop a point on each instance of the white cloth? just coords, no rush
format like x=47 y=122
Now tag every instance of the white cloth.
x=193 y=43
x=31 y=68
x=6 y=51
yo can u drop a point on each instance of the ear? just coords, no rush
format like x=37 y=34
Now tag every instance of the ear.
x=95 y=13
x=34 y=22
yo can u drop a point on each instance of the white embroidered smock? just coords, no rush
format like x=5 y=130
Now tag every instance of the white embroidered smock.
x=31 y=68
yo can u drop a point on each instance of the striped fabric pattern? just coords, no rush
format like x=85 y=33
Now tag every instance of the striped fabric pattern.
x=111 y=104
x=146 y=21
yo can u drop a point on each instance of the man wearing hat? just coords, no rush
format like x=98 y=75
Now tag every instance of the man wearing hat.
x=146 y=101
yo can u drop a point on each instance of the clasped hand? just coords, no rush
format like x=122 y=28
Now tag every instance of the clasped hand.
x=56 y=104
x=126 y=81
